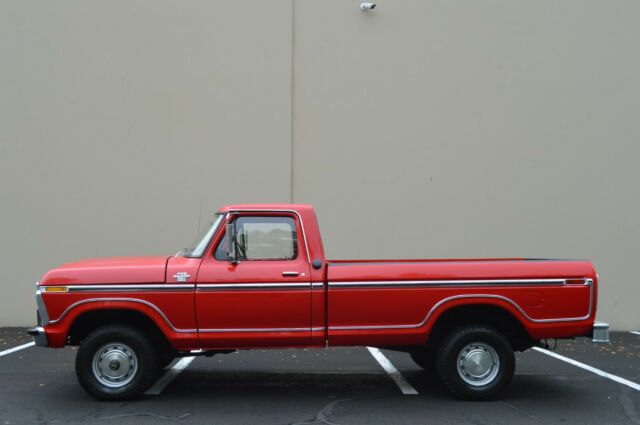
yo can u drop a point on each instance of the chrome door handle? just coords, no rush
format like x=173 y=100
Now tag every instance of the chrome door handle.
x=290 y=274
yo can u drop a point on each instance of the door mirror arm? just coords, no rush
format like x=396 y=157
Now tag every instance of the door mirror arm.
x=230 y=237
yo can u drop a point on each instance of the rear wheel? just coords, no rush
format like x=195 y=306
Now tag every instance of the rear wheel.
x=475 y=363
x=116 y=362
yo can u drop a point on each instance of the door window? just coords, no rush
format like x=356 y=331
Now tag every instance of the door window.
x=262 y=238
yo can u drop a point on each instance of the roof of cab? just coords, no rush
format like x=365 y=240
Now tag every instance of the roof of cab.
x=266 y=207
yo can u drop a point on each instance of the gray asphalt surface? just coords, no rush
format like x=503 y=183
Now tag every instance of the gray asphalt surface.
x=333 y=386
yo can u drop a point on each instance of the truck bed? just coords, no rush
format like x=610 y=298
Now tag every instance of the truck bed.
x=399 y=300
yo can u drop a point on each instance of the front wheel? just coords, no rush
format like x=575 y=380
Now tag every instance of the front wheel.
x=116 y=362
x=475 y=363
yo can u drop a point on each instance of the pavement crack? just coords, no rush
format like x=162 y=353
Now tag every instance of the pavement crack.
x=90 y=417
x=522 y=411
x=41 y=420
x=628 y=407
x=148 y=414
x=323 y=415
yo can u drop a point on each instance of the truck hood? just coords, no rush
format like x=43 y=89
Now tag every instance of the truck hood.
x=108 y=270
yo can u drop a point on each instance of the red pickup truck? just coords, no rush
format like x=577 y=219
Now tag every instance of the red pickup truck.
x=258 y=278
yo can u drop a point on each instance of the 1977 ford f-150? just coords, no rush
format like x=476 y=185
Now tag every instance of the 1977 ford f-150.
x=258 y=278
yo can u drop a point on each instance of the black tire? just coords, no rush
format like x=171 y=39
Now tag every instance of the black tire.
x=425 y=358
x=489 y=347
x=127 y=346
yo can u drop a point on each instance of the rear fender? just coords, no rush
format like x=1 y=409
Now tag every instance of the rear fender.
x=475 y=300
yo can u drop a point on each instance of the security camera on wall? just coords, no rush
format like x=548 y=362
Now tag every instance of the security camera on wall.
x=365 y=7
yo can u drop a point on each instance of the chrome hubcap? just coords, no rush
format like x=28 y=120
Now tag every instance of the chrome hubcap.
x=115 y=365
x=478 y=364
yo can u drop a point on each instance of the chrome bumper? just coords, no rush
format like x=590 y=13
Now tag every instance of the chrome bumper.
x=38 y=336
x=600 y=332
x=42 y=308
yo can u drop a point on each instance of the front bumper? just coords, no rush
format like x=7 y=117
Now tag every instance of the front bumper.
x=39 y=336
x=600 y=332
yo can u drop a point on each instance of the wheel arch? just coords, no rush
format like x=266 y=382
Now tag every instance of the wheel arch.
x=493 y=312
x=90 y=315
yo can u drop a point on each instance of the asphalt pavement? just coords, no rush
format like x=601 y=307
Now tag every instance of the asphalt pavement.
x=329 y=386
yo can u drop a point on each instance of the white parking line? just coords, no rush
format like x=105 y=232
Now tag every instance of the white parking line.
x=635 y=332
x=391 y=370
x=166 y=379
x=591 y=369
x=18 y=348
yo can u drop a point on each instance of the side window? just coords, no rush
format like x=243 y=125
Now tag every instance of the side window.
x=263 y=238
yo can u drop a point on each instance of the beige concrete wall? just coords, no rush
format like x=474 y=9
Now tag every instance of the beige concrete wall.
x=474 y=129
x=126 y=123
x=422 y=129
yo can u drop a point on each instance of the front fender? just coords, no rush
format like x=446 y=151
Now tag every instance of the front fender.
x=58 y=329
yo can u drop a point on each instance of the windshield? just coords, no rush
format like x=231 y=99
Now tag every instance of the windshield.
x=197 y=248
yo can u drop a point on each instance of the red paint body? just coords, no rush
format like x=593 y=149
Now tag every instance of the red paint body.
x=372 y=302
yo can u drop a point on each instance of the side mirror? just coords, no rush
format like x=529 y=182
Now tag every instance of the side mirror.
x=230 y=237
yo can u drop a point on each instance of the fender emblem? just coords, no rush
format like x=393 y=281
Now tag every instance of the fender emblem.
x=181 y=276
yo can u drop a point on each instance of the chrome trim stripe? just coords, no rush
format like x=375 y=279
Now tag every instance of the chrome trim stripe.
x=266 y=285
x=127 y=287
x=588 y=282
x=164 y=317
x=227 y=330
x=185 y=286
x=397 y=283
x=304 y=234
x=135 y=300
x=392 y=283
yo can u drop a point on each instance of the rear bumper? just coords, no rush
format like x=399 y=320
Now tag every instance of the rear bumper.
x=600 y=332
x=39 y=336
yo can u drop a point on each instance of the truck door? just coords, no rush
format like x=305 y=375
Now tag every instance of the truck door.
x=263 y=298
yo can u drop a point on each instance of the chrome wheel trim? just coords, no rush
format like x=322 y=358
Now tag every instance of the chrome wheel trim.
x=478 y=364
x=115 y=365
